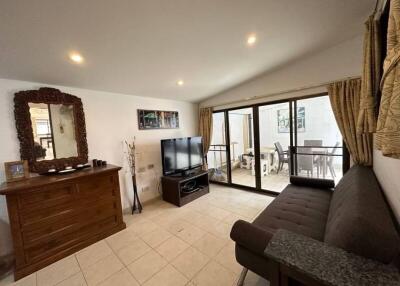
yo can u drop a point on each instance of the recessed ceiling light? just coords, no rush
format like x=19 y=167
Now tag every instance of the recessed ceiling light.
x=76 y=58
x=251 y=39
x=180 y=82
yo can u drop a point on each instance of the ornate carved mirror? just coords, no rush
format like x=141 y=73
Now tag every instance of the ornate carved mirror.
x=51 y=129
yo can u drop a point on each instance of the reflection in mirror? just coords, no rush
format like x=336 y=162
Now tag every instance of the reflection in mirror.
x=53 y=131
x=62 y=122
x=42 y=137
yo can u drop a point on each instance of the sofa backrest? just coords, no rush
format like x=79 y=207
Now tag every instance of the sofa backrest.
x=359 y=219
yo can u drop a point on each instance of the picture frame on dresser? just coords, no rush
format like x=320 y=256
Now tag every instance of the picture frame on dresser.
x=16 y=171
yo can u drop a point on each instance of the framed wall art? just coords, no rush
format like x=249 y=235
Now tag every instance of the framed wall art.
x=284 y=121
x=157 y=119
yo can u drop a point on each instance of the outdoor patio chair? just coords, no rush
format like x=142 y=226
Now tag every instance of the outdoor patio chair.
x=283 y=156
x=313 y=143
x=305 y=162
x=316 y=159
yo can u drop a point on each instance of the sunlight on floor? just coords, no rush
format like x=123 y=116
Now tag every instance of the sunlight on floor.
x=273 y=181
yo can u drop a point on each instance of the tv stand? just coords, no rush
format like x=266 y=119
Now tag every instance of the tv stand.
x=184 y=189
x=186 y=173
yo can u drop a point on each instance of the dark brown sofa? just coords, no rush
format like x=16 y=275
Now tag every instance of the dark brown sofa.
x=350 y=224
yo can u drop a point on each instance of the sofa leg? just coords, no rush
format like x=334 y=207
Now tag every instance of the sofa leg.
x=242 y=277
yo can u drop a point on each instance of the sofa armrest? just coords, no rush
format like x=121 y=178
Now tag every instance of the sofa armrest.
x=250 y=236
x=312 y=182
x=327 y=264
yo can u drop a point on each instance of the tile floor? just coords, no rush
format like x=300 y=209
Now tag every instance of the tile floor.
x=165 y=245
x=274 y=182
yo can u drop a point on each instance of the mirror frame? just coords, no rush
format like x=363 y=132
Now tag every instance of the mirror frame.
x=25 y=132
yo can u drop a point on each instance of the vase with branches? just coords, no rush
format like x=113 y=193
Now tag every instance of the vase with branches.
x=131 y=158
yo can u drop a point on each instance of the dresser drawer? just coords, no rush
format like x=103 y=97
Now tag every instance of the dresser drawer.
x=46 y=197
x=102 y=184
x=55 y=245
x=64 y=224
x=34 y=216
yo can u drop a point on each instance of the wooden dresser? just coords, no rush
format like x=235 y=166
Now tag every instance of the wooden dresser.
x=52 y=217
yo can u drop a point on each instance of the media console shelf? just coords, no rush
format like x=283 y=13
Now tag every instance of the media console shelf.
x=174 y=188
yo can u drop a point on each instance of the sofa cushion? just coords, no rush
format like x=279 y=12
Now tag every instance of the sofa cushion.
x=359 y=220
x=312 y=182
x=303 y=210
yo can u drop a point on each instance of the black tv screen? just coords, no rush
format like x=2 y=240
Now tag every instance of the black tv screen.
x=196 y=151
x=181 y=154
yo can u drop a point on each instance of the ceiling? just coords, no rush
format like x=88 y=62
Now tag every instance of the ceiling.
x=143 y=47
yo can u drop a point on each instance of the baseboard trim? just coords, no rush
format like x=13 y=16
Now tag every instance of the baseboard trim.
x=128 y=210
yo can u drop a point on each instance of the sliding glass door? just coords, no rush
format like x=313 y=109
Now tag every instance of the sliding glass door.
x=259 y=147
x=275 y=141
x=318 y=141
x=217 y=155
x=241 y=147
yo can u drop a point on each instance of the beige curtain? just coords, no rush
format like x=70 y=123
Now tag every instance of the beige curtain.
x=371 y=76
x=345 y=101
x=205 y=127
x=388 y=126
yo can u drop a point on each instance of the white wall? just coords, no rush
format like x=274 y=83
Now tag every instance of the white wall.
x=320 y=123
x=110 y=119
x=387 y=171
x=335 y=63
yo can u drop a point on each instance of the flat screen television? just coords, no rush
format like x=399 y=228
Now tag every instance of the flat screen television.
x=180 y=155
